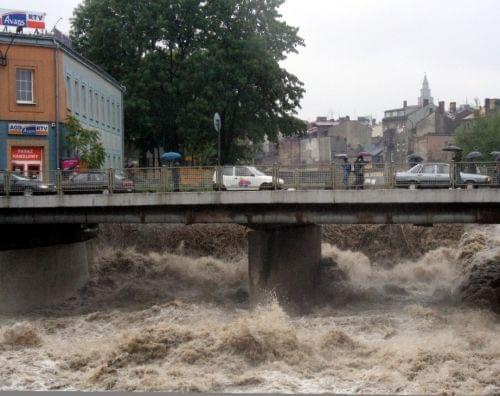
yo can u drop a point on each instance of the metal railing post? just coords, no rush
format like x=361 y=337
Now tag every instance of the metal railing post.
x=275 y=176
x=296 y=178
x=453 y=182
x=59 y=181
x=391 y=175
x=6 y=182
x=111 y=180
x=218 y=178
x=163 y=179
x=333 y=169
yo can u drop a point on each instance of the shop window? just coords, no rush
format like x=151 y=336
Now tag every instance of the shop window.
x=24 y=86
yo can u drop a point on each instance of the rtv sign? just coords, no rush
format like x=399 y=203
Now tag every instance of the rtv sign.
x=25 y=19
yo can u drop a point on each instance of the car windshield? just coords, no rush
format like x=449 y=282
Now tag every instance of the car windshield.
x=415 y=169
x=256 y=172
x=20 y=178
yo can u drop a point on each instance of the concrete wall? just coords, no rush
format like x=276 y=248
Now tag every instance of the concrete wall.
x=37 y=277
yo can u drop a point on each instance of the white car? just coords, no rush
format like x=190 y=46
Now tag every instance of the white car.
x=245 y=178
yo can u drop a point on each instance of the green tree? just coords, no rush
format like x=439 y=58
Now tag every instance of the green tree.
x=482 y=134
x=183 y=60
x=85 y=143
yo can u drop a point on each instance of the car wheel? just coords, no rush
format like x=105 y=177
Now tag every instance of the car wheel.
x=28 y=192
x=412 y=186
x=470 y=185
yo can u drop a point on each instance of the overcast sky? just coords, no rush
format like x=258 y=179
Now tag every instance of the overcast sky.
x=364 y=56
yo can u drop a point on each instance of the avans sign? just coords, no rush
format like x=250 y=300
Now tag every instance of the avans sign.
x=28 y=19
x=29 y=129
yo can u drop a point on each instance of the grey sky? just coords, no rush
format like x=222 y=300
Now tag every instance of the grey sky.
x=364 y=56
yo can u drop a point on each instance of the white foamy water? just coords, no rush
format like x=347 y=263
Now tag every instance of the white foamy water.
x=173 y=323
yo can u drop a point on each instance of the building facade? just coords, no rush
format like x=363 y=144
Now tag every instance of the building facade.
x=42 y=81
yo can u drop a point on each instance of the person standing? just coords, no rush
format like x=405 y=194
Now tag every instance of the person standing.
x=359 y=173
x=346 y=171
x=457 y=169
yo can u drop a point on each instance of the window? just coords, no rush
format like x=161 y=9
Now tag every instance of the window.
x=113 y=114
x=108 y=111
x=118 y=117
x=24 y=86
x=77 y=97
x=84 y=101
x=243 y=171
x=96 y=107
x=443 y=168
x=102 y=111
x=428 y=169
x=91 y=100
x=68 y=93
x=227 y=171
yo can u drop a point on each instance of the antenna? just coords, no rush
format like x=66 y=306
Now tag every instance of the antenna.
x=55 y=24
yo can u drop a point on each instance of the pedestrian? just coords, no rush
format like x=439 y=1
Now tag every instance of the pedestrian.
x=176 y=175
x=359 y=173
x=346 y=168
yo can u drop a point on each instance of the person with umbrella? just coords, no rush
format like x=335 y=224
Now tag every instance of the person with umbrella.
x=456 y=159
x=172 y=158
x=359 y=171
x=414 y=160
x=471 y=165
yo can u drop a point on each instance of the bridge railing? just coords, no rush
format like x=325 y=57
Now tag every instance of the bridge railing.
x=335 y=176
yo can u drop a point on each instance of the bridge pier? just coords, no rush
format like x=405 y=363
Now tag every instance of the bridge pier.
x=41 y=265
x=284 y=261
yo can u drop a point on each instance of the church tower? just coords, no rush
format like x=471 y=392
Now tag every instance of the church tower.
x=425 y=93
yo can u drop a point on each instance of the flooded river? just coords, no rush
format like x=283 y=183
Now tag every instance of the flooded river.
x=162 y=321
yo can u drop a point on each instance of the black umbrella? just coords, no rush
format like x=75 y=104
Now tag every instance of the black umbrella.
x=497 y=158
x=415 y=158
x=495 y=153
x=452 y=148
x=474 y=155
x=341 y=156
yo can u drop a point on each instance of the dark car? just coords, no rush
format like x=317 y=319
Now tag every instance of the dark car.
x=20 y=184
x=96 y=183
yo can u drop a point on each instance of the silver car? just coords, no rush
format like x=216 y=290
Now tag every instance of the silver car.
x=437 y=175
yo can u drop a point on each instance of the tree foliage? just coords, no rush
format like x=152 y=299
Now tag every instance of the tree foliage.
x=481 y=134
x=85 y=143
x=184 y=60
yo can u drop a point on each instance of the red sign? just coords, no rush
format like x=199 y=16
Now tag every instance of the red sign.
x=26 y=154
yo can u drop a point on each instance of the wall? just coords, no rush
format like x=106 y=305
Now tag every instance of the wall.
x=97 y=103
x=357 y=135
x=28 y=54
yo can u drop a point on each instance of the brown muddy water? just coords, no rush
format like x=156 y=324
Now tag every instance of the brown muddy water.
x=163 y=321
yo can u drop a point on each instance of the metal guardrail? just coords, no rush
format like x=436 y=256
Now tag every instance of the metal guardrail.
x=336 y=176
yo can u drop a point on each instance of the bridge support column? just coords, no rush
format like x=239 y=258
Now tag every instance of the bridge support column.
x=41 y=265
x=284 y=261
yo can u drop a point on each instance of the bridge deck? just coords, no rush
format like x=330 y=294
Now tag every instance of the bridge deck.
x=262 y=207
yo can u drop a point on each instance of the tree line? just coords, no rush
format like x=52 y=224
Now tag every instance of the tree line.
x=183 y=60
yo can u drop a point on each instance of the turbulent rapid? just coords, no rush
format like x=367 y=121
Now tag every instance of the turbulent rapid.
x=174 y=322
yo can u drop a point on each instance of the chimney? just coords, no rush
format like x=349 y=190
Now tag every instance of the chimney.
x=348 y=118
x=426 y=102
x=405 y=104
x=441 y=107
x=453 y=107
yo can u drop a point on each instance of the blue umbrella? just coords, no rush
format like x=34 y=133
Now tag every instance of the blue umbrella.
x=171 y=156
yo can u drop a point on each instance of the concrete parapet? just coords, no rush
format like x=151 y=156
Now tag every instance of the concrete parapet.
x=284 y=261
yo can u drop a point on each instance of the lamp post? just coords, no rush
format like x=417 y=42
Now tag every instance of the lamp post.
x=218 y=127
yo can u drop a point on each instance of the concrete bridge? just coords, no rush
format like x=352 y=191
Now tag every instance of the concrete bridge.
x=44 y=249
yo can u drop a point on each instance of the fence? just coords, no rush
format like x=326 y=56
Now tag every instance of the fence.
x=336 y=176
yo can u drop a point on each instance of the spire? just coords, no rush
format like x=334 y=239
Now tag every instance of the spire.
x=425 y=93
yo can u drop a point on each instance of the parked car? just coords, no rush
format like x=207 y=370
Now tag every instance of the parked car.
x=437 y=175
x=96 y=182
x=245 y=178
x=20 y=184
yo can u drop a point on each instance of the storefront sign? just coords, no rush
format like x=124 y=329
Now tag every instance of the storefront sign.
x=28 y=19
x=26 y=154
x=29 y=129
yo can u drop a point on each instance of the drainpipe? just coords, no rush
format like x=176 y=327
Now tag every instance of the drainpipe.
x=56 y=87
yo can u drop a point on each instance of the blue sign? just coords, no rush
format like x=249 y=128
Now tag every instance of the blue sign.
x=14 y=19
